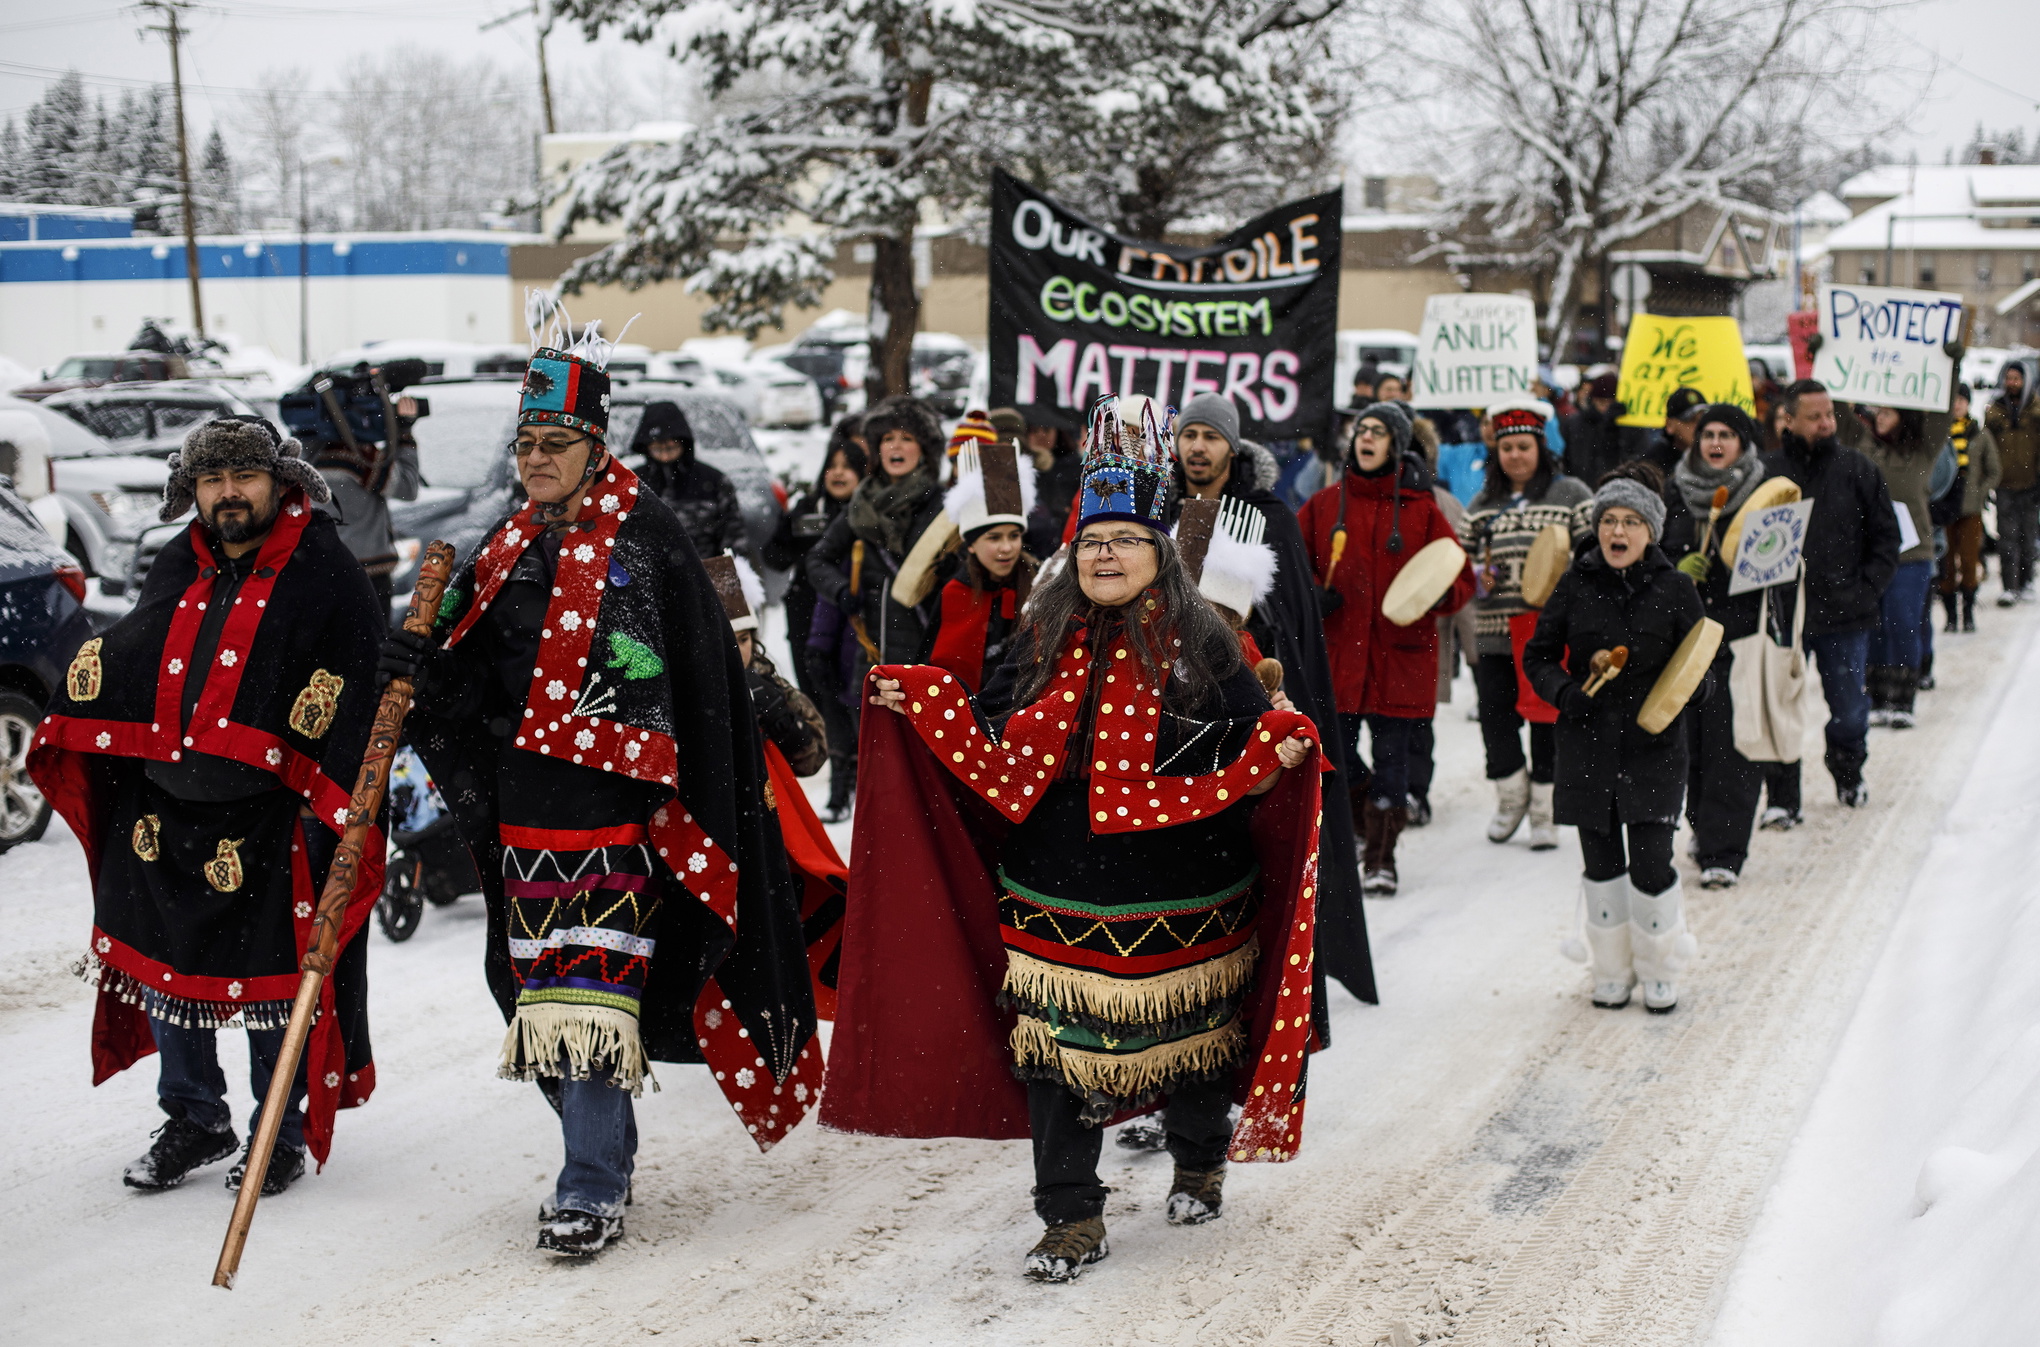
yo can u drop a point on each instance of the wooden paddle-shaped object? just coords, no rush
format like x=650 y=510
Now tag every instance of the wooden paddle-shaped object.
x=369 y=784
x=1605 y=665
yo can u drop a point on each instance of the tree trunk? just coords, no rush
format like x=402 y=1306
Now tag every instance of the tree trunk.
x=895 y=317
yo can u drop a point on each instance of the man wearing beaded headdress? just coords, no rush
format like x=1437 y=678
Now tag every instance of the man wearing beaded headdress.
x=1087 y=891
x=582 y=705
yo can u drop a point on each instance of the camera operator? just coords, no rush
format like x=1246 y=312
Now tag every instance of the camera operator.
x=366 y=470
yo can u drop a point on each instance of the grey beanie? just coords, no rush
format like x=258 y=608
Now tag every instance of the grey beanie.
x=1215 y=410
x=1631 y=494
x=1395 y=418
x=238 y=442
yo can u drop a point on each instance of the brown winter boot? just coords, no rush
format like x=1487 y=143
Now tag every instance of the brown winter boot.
x=1066 y=1250
x=1196 y=1195
x=1367 y=822
x=1378 y=875
x=1357 y=795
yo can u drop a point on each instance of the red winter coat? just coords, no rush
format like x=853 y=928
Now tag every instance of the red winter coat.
x=1377 y=667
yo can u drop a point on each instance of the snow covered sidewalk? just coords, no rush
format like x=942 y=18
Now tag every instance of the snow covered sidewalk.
x=1487 y=1157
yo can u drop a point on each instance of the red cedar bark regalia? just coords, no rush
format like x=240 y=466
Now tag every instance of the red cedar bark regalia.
x=1067 y=903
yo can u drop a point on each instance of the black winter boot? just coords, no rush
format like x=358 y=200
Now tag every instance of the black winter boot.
x=1903 y=682
x=842 y=783
x=181 y=1146
x=1877 y=682
x=1969 y=610
x=1954 y=622
x=286 y=1166
x=577 y=1234
x=1921 y=680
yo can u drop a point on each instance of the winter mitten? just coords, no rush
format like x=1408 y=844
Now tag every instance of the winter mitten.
x=1695 y=565
x=1512 y=799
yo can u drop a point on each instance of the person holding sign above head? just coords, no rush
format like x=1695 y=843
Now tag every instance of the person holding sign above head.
x=1711 y=483
x=1525 y=496
x=1361 y=534
x=1852 y=546
x=1617 y=624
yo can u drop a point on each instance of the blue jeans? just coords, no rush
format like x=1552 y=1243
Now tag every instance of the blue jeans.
x=190 y=1084
x=1843 y=658
x=1392 y=741
x=599 y=1126
x=1898 y=642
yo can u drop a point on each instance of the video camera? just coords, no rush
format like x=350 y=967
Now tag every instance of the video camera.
x=353 y=411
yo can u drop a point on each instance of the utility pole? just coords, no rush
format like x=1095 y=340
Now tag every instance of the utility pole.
x=541 y=12
x=175 y=32
x=304 y=268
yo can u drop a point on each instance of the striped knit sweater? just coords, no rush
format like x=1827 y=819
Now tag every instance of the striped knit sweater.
x=1498 y=531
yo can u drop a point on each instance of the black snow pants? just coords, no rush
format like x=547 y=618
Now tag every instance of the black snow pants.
x=1066 y=1150
x=1722 y=786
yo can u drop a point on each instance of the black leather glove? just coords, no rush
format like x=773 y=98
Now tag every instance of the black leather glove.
x=403 y=655
x=1330 y=601
x=1574 y=703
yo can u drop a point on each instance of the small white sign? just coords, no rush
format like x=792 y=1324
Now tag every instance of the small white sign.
x=1883 y=346
x=1908 y=536
x=1474 y=350
x=1771 y=547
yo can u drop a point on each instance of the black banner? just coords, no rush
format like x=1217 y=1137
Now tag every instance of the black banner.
x=1079 y=312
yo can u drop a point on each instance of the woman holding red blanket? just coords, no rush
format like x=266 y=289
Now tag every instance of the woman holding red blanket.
x=1143 y=923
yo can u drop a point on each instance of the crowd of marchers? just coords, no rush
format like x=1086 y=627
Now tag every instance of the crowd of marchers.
x=1131 y=718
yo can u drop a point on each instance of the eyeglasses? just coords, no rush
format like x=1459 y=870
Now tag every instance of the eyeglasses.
x=551 y=446
x=1369 y=431
x=1091 y=547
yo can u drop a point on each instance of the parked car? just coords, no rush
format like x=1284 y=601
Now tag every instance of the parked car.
x=113 y=367
x=1391 y=349
x=148 y=418
x=769 y=392
x=834 y=353
x=42 y=624
x=941 y=369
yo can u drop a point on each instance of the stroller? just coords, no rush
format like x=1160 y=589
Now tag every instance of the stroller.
x=427 y=862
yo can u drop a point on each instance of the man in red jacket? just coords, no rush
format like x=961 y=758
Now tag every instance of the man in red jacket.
x=1359 y=534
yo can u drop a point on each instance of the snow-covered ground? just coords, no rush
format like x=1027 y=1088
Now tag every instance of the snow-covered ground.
x=1487 y=1158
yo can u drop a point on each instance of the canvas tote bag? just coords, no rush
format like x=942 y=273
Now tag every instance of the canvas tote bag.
x=1767 y=684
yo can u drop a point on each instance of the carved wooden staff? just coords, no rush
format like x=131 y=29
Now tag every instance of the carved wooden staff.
x=369 y=785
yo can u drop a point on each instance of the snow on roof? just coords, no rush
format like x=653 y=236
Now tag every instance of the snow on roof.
x=1941 y=206
x=1377 y=222
x=1823 y=208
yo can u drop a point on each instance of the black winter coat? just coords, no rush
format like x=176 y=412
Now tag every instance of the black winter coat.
x=1851 y=537
x=800 y=528
x=1594 y=443
x=1738 y=614
x=899 y=632
x=704 y=501
x=1609 y=767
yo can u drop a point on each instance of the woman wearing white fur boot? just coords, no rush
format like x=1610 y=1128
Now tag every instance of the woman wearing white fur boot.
x=1614 y=776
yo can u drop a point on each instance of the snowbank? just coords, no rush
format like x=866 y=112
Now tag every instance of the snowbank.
x=1904 y=1213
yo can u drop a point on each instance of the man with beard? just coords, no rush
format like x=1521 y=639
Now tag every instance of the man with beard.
x=1213 y=462
x=583 y=706
x=700 y=495
x=1850 y=557
x=204 y=750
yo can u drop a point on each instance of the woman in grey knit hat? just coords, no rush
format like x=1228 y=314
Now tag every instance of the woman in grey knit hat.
x=1614 y=776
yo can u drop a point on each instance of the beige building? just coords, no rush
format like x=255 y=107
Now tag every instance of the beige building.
x=1967 y=229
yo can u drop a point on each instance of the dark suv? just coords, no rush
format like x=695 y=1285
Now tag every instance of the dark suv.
x=42 y=624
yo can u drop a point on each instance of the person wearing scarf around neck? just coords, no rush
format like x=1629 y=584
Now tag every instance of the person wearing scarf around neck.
x=1722 y=786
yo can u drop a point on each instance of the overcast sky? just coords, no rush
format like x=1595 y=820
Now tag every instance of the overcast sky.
x=1985 y=50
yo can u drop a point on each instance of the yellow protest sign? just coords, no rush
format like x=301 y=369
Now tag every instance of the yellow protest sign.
x=1663 y=354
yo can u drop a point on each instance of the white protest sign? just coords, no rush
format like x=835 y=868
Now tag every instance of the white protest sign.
x=1771 y=547
x=1883 y=346
x=1474 y=350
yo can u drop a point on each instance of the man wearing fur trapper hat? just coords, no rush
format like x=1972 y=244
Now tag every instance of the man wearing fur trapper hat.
x=583 y=706
x=204 y=749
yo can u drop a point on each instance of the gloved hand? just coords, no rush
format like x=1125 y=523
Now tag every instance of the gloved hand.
x=1574 y=703
x=1330 y=601
x=1814 y=341
x=1696 y=565
x=403 y=655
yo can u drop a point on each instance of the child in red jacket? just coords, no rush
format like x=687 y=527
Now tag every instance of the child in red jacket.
x=1359 y=534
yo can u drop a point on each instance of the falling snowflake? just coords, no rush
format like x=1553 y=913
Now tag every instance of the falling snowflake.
x=570 y=620
x=697 y=862
x=585 y=739
x=631 y=751
x=304 y=911
x=234 y=989
x=584 y=553
x=293 y=510
x=609 y=504
x=713 y=1017
x=229 y=658
x=556 y=690
x=332 y=1080
x=105 y=945
x=274 y=757
x=104 y=739
x=176 y=666
x=746 y=1078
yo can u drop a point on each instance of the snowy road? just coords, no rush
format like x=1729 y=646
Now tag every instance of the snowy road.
x=1488 y=1159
